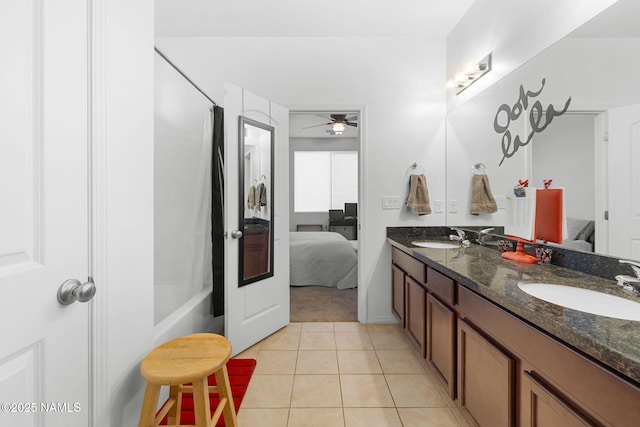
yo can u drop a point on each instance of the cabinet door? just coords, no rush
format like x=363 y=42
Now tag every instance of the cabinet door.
x=441 y=341
x=485 y=380
x=416 y=312
x=397 y=294
x=542 y=407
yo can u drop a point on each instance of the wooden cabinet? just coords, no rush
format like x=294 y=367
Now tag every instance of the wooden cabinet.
x=485 y=380
x=256 y=254
x=441 y=341
x=542 y=406
x=416 y=305
x=501 y=370
x=397 y=294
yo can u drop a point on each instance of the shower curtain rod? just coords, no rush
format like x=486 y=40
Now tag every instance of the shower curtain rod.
x=183 y=74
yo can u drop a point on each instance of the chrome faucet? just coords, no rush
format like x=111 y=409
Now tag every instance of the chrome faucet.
x=484 y=236
x=461 y=237
x=630 y=284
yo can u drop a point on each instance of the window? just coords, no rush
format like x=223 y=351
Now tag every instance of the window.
x=324 y=180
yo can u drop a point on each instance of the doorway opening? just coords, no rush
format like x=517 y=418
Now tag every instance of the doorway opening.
x=325 y=193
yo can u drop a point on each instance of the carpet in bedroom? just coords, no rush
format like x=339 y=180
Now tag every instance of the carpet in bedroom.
x=323 y=304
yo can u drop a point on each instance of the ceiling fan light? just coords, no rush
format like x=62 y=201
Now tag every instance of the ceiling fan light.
x=338 y=127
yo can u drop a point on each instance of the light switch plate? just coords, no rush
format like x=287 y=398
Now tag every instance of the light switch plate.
x=390 y=202
x=453 y=206
x=438 y=206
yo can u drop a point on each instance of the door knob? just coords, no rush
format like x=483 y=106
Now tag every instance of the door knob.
x=72 y=290
x=236 y=234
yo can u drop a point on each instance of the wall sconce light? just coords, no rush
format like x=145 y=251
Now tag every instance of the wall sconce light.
x=338 y=127
x=463 y=80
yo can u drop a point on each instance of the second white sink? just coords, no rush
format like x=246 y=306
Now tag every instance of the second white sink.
x=584 y=300
x=435 y=245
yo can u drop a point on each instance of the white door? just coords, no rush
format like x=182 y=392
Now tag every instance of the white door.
x=624 y=189
x=44 y=356
x=256 y=310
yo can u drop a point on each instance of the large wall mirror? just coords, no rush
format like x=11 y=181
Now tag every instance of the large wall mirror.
x=593 y=151
x=256 y=201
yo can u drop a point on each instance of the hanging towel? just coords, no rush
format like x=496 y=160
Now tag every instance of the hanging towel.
x=418 y=200
x=251 y=199
x=261 y=195
x=482 y=200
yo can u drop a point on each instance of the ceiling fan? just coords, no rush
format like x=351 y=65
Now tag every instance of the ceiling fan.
x=338 y=123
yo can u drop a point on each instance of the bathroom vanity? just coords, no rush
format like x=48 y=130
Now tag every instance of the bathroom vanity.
x=506 y=357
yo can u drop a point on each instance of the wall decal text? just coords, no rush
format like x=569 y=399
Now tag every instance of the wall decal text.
x=539 y=119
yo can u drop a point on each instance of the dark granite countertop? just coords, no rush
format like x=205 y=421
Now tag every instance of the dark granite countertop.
x=613 y=342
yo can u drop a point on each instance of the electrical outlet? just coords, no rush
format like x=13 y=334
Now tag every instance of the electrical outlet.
x=453 y=206
x=438 y=206
x=390 y=202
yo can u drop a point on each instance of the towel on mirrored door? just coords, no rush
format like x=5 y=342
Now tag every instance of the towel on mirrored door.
x=418 y=200
x=482 y=200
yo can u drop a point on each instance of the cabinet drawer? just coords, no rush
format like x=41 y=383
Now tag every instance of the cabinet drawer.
x=410 y=265
x=441 y=285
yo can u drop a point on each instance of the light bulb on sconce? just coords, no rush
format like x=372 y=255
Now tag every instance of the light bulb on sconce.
x=473 y=72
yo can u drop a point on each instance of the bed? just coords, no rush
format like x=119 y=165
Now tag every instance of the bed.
x=322 y=259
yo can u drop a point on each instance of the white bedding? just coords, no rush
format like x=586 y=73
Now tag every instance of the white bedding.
x=322 y=259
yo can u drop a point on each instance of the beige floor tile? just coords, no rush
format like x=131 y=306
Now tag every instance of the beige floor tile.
x=414 y=391
x=276 y=362
x=316 y=391
x=399 y=362
x=388 y=338
x=358 y=362
x=317 y=362
x=317 y=341
x=250 y=353
x=358 y=340
x=263 y=417
x=282 y=341
x=349 y=327
x=268 y=391
x=292 y=327
x=428 y=417
x=384 y=327
x=372 y=417
x=365 y=391
x=317 y=327
x=316 y=417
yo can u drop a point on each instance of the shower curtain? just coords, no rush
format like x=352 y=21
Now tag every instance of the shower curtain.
x=217 y=213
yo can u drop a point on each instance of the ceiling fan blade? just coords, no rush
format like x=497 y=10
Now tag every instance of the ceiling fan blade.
x=315 y=126
x=355 y=125
x=351 y=118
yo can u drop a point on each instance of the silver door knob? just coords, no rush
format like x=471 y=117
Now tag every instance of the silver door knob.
x=236 y=234
x=72 y=290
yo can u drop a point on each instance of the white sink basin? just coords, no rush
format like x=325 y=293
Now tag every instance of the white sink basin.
x=435 y=245
x=584 y=300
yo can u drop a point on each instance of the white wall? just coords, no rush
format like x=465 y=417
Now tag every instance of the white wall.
x=124 y=270
x=398 y=80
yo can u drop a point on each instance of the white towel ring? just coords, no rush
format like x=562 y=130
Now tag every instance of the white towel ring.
x=415 y=168
x=479 y=168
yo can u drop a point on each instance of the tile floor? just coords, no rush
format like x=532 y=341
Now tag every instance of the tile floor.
x=343 y=374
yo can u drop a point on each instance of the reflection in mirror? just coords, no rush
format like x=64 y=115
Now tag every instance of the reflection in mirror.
x=256 y=201
x=589 y=151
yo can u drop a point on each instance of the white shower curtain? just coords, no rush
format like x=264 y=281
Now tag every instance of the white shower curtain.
x=183 y=214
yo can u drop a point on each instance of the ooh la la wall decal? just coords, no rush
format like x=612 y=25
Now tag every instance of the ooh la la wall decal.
x=507 y=114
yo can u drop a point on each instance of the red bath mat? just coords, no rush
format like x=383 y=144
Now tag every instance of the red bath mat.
x=240 y=371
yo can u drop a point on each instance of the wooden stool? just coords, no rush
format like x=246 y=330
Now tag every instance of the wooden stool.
x=189 y=359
